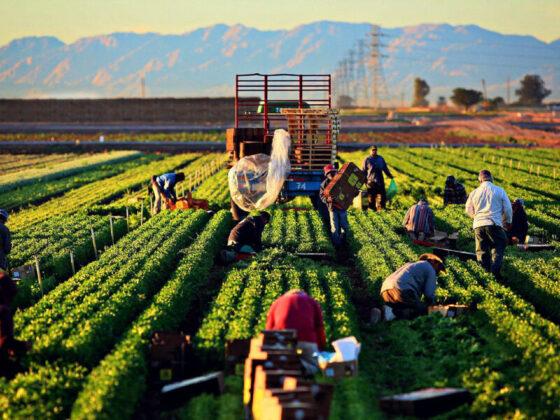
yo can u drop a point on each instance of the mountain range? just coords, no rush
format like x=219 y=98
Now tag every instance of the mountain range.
x=203 y=62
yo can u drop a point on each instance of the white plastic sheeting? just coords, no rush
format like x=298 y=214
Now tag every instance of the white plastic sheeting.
x=255 y=181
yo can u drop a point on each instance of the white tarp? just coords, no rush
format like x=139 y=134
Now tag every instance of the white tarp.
x=255 y=181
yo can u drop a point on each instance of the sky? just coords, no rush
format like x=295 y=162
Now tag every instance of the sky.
x=70 y=20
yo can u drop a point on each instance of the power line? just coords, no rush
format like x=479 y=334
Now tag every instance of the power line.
x=524 y=66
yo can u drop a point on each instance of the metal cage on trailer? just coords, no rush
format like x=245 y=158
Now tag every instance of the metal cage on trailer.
x=299 y=103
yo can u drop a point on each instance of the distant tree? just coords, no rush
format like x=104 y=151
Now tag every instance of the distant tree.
x=466 y=97
x=532 y=91
x=441 y=102
x=421 y=90
x=345 y=101
x=497 y=102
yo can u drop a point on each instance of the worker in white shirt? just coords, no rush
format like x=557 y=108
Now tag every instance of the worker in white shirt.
x=490 y=207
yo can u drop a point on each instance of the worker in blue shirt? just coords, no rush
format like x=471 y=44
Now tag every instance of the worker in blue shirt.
x=163 y=187
x=374 y=165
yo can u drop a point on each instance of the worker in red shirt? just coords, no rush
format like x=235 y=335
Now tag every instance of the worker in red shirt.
x=295 y=310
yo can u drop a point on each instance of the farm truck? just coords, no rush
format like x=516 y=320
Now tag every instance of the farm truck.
x=299 y=103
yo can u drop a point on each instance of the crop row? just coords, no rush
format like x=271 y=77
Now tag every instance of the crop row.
x=114 y=387
x=215 y=189
x=97 y=192
x=38 y=193
x=61 y=245
x=57 y=170
x=495 y=303
x=239 y=310
x=13 y=163
x=117 y=383
x=83 y=325
x=297 y=231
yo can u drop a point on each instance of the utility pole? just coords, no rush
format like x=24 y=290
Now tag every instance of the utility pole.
x=485 y=97
x=352 y=91
x=362 y=87
x=378 y=86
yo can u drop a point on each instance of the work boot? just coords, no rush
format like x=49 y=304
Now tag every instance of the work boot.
x=375 y=316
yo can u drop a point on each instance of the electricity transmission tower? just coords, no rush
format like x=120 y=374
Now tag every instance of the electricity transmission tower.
x=377 y=79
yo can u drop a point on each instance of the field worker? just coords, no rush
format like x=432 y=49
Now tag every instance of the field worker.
x=517 y=232
x=5 y=240
x=454 y=192
x=489 y=205
x=237 y=213
x=402 y=291
x=246 y=236
x=163 y=187
x=419 y=221
x=295 y=310
x=10 y=348
x=374 y=166
x=338 y=218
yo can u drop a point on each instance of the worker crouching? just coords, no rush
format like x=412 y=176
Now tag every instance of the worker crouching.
x=338 y=218
x=163 y=187
x=246 y=237
x=517 y=232
x=402 y=291
x=419 y=221
x=295 y=310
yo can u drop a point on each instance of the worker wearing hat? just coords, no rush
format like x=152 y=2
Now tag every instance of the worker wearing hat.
x=338 y=218
x=374 y=166
x=402 y=291
x=5 y=240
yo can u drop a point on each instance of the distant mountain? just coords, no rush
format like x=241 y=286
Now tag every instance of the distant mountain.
x=203 y=62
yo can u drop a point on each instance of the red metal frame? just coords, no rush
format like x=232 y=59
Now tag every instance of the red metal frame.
x=250 y=89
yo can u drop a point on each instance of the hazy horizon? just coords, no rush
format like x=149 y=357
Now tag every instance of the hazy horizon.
x=72 y=20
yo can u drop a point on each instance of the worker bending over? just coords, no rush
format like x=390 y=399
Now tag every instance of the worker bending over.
x=163 y=187
x=246 y=236
x=374 y=165
x=5 y=240
x=295 y=310
x=402 y=291
x=489 y=205
x=338 y=218
x=517 y=232
x=419 y=221
x=454 y=192
x=11 y=349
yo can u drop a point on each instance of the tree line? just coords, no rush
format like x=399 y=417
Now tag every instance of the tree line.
x=531 y=92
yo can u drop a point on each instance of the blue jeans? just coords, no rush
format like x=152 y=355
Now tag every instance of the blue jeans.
x=339 y=225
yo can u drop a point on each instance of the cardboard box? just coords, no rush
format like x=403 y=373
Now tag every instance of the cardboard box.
x=425 y=402
x=449 y=311
x=345 y=185
x=339 y=370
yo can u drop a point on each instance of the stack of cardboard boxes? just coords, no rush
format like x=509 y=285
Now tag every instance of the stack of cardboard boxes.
x=275 y=386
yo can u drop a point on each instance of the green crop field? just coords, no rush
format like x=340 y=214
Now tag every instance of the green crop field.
x=90 y=322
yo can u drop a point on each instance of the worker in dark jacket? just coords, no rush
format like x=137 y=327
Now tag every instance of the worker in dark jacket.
x=454 y=192
x=338 y=218
x=10 y=348
x=295 y=310
x=419 y=221
x=402 y=291
x=374 y=166
x=163 y=187
x=517 y=232
x=5 y=240
x=246 y=236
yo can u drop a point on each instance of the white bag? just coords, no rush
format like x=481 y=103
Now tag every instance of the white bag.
x=255 y=181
